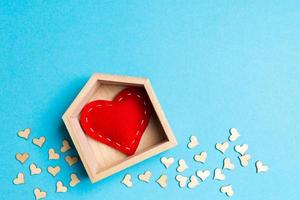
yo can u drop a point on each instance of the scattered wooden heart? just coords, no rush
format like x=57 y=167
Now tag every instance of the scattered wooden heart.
x=219 y=175
x=53 y=155
x=182 y=166
x=145 y=177
x=60 y=187
x=241 y=149
x=65 y=146
x=193 y=142
x=34 y=169
x=20 y=179
x=227 y=164
x=227 y=189
x=24 y=134
x=234 y=134
x=260 y=167
x=222 y=147
x=203 y=174
x=39 y=141
x=39 y=194
x=53 y=170
x=22 y=157
x=201 y=157
x=127 y=180
x=74 y=180
x=71 y=160
x=244 y=160
x=193 y=182
x=182 y=180
x=167 y=162
x=162 y=181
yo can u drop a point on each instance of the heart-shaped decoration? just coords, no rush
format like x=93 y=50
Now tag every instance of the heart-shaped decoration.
x=222 y=147
x=234 y=134
x=119 y=123
x=193 y=142
x=60 y=187
x=52 y=155
x=167 y=161
x=127 y=180
x=241 y=149
x=24 y=134
x=39 y=194
x=71 y=160
x=34 y=169
x=65 y=146
x=182 y=180
x=201 y=157
x=20 y=179
x=193 y=182
x=39 y=141
x=182 y=166
x=227 y=190
x=145 y=177
x=74 y=180
x=162 y=181
x=219 y=175
x=53 y=170
x=244 y=160
x=203 y=174
x=22 y=157
x=260 y=167
x=227 y=164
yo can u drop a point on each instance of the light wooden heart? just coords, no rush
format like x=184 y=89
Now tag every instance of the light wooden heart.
x=53 y=170
x=65 y=146
x=145 y=177
x=22 y=157
x=127 y=180
x=227 y=190
x=244 y=160
x=39 y=194
x=60 y=187
x=234 y=134
x=193 y=142
x=24 y=134
x=201 y=157
x=203 y=174
x=39 y=141
x=193 y=182
x=241 y=149
x=182 y=166
x=34 y=169
x=260 y=167
x=71 y=160
x=53 y=155
x=20 y=179
x=182 y=180
x=162 y=181
x=74 y=180
x=222 y=147
x=167 y=162
x=219 y=175
x=227 y=164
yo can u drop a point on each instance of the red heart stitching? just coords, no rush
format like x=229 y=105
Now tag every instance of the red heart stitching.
x=119 y=123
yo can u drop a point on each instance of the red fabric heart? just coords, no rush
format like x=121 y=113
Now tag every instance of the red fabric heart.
x=119 y=123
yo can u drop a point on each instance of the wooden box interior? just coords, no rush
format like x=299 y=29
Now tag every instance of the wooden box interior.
x=100 y=157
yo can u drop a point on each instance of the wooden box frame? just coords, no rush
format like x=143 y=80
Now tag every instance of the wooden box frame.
x=99 y=160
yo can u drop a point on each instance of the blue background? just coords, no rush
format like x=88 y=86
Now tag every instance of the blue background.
x=213 y=65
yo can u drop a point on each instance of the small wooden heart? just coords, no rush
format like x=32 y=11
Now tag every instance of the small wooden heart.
x=65 y=146
x=71 y=160
x=182 y=166
x=127 y=180
x=219 y=175
x=203 y=174
x=167 y=162
x=24 y=134
x=227 y=190
x=162 y=181
x=244 y=160
x=201 y=157
x=222 y=147
x=193 y=182
x=53 y=155
x=145 y=177
x=234 y=134
x=260 y=167
x=39 y=141
x=34 y=169
x=22 y=157
x=74 y=180
x=193 y=142
x=241 y=149
x=182 y=180
x=227 y=164
x=39 y=194
x=20 y=179
x=60 y=187
x=54 y=170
